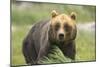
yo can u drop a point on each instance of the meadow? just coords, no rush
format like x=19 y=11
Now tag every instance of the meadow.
x=24 y=15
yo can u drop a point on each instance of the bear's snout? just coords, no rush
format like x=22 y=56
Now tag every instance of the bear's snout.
x=61 y=36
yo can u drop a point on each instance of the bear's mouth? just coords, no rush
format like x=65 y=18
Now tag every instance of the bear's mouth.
x=61 y=40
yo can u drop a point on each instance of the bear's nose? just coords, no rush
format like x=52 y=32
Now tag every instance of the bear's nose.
x=61 y=36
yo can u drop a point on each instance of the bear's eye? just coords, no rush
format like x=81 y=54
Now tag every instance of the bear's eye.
x=57 y=26
x=66 y=27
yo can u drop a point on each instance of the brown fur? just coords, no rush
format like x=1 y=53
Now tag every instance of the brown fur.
x=63 y=19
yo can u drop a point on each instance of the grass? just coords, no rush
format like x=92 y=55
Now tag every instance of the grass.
x=28 y=14
x=55 y=56
x=18 y=34
x=85 y=47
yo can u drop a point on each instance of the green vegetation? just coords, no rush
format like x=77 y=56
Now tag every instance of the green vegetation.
x=32 y=12
x=23 y=16
x=85 y=44
x=55 y=56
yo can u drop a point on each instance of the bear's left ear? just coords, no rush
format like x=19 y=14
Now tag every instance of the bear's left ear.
x=54 y=13
x=73 y=16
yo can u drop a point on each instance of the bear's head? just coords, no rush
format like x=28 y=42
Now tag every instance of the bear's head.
x=62 y=27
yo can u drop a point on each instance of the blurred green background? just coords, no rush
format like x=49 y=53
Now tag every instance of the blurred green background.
x=25 y=14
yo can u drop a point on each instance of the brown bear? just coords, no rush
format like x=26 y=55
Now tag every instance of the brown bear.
x=60 y=30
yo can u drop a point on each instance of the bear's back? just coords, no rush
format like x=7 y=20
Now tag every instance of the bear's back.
x=39 y=34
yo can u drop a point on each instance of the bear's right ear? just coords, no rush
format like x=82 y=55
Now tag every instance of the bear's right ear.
x=54 y=13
